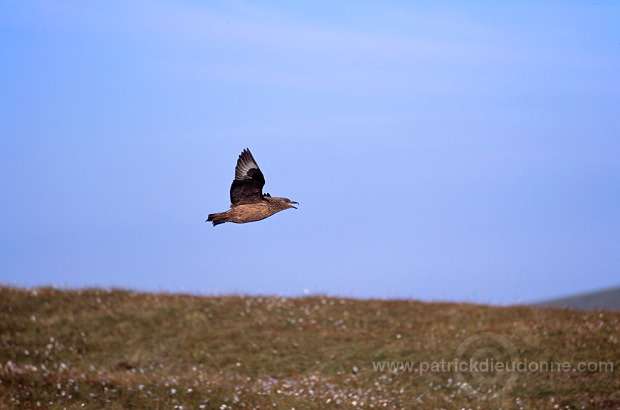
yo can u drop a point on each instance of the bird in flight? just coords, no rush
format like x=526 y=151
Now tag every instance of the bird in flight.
x=248 y=203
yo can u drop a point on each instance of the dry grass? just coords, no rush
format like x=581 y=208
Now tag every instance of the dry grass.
x=120 y=349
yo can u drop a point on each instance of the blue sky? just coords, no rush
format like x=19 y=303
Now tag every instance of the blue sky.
x=439 y=150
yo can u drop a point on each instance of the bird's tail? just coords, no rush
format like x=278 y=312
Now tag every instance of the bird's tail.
x=218 y=218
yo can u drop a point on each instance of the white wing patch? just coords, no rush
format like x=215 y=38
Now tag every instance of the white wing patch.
x=245 y=163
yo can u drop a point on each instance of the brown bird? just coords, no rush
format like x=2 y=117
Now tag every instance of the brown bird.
x=247 y=202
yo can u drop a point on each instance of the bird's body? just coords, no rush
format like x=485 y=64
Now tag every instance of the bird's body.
x=248 y=203
x=250 y=212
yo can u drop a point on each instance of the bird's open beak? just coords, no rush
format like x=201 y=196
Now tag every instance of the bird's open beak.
x=293 y=202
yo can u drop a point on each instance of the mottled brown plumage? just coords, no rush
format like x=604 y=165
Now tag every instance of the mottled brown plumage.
x=247 y=201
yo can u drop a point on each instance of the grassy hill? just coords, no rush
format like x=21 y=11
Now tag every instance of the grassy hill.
x=117 y=349
x=608 y=299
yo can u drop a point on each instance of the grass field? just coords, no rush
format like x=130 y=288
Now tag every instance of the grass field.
x=118 y=349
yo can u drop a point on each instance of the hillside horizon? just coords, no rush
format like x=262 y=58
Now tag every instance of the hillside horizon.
x=603 y=298
x=114 y=348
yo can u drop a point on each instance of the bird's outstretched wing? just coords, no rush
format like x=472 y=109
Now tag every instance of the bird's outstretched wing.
x=248 y=185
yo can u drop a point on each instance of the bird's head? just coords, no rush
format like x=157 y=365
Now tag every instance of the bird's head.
x=289 y=202
x=280 y=203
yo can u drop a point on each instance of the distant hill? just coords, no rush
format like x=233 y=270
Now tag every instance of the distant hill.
x=605 y=300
